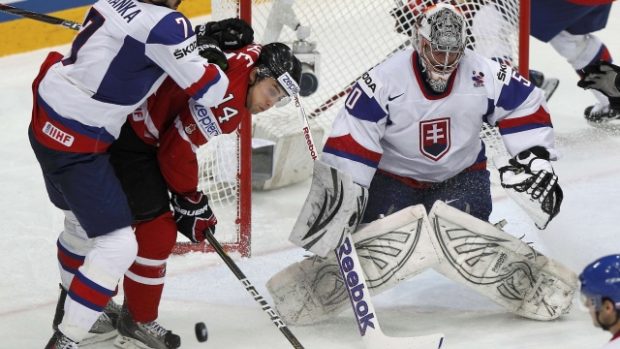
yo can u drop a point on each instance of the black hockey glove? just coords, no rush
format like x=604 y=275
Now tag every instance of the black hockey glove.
x=531 y=182
x=605 y=78
x=229 y=34
x=193 y=216
x=208 y=48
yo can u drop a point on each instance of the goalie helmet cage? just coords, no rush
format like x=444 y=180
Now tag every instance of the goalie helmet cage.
x=351 y=36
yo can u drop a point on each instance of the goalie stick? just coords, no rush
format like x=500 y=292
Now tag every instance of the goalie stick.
x=354 y=279
x=273 y=315
x=40 y=17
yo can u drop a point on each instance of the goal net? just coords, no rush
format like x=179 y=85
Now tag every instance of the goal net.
x=337 y=41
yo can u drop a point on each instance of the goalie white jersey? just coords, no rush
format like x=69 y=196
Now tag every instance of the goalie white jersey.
x=391 y=122
x=121 y=55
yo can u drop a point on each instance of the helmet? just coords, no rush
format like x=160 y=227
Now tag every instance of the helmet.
x=277 y=59
x=440 y=43
x=601 y=280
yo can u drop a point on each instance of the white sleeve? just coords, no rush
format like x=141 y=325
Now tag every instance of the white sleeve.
x=354 y=145
x=520 y=112
x=171 y=44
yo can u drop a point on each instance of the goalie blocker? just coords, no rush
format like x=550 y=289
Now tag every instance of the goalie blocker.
x=397 y=247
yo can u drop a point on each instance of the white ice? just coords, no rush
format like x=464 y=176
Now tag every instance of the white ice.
x=201 y=288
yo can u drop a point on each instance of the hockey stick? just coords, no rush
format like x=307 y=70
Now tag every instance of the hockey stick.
x=354 y=279
x=273 y=315
x=40 y=17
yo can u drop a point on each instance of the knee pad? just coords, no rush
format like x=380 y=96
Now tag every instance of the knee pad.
x=110 y=257
x=579 y=50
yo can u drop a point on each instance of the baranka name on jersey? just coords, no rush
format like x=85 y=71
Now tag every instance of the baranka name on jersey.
x=122 y=6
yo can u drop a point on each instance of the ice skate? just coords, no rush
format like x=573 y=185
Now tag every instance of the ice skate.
x=60 y=341
x=548 y=85
x=137 y=335
x=103 y=329
x=600 y=113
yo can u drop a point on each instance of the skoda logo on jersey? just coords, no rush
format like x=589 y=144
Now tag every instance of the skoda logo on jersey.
x=205 y=121
x=435 y=138
x=182 y=52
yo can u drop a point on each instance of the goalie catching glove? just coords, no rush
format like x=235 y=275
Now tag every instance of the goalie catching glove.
x=531 y=182
x=227 y=34
x=193 y=216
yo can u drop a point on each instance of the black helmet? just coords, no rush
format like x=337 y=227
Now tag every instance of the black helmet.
x=276 y=59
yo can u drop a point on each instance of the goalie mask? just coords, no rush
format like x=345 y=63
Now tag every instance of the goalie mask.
x=440 y=43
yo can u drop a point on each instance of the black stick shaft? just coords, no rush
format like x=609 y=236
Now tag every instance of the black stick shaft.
x=40 y=17
x=275 y=318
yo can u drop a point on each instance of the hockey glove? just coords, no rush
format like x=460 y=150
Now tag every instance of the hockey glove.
x=530 y=181
x=605 y=78
x=229 y=34
x=193 y=216
x=208 y=48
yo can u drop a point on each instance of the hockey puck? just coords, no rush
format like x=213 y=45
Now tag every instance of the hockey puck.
x=201 y=332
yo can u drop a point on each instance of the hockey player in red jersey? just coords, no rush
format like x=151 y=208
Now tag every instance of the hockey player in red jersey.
x=123 y=52
x=600 y=291
x=155 y=160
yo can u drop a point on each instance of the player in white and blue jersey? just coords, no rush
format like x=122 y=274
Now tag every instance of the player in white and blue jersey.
x=123 y=52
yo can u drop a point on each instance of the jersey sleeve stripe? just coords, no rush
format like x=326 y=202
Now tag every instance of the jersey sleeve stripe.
x=346 y=147
x=536 y=120
x=210 y=77
x=514 y=94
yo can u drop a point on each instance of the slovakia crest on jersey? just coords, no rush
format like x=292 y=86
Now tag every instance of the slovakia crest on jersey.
x=435 y=138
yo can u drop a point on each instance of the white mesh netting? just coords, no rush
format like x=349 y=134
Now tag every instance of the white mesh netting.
x=351 y=36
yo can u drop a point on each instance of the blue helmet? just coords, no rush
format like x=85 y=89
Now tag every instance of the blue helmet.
x=601 y=279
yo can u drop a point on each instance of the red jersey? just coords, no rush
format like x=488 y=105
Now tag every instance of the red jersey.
x=178 y=125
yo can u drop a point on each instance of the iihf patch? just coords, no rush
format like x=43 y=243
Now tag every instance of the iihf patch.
x=435 y=138
x=478 y=78
x=57 y=134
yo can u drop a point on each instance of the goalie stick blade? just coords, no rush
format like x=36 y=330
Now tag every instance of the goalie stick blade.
x=364 y=310
x=379 y=340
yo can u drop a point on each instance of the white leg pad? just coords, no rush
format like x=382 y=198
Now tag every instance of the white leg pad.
x=579 y=50
x=390 y=249
x=500 y=266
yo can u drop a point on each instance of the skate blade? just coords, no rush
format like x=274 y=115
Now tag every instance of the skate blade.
x=129 y=343
x=549 y=86
x=98 y=338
